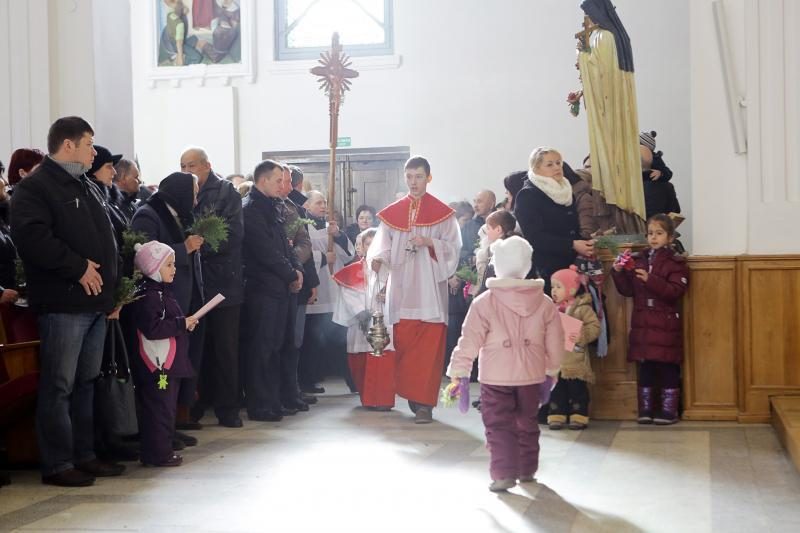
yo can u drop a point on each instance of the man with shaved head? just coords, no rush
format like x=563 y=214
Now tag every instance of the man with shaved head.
x=216 y=359
x=483 y=205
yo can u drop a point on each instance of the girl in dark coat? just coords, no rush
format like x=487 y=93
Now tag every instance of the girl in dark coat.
x=167 y=217
x=162 y=348
x=656 y=280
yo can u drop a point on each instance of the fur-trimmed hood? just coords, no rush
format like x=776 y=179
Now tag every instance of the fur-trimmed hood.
x=522 y=296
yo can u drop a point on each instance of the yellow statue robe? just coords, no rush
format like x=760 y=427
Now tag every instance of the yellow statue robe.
x=610 y=95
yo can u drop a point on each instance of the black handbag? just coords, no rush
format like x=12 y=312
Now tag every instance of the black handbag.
x=114 y=394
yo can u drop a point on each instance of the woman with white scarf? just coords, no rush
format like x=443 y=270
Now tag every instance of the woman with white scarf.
x=548 y=217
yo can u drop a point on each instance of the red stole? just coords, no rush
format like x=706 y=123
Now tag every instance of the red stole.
x=352 y=276
x=400 y=215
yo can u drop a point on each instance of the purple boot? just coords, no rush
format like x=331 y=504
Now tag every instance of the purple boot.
x=668 y=414
x=645 y=397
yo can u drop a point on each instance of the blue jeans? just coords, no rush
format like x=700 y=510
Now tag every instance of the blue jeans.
x=70 y=354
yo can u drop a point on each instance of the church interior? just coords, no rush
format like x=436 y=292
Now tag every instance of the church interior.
x=474 y=87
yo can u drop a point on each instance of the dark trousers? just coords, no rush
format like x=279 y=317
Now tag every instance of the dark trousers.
x=188 y=386
x=659 y=375
x=290 y=357
x=70 y=356
x=263 y=329
x=570 y=397
x=156 y=418
x=324 y=349
x=219 y=376
x=512 y=433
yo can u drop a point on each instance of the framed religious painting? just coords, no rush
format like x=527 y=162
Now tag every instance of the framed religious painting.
x=200 y=39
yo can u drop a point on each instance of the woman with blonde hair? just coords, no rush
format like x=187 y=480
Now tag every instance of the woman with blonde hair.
x=545 y=210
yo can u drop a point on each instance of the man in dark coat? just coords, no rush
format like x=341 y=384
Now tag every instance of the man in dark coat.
x=67 y=246
x=291 y=396
x=222 y=274
x=271 y=273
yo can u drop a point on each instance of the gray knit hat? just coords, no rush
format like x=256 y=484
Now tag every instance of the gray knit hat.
x=648 y=140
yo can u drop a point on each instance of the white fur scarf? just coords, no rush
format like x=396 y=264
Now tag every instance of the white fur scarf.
x=558 y=191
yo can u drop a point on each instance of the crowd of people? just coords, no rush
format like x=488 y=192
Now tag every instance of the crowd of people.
x=301 y=293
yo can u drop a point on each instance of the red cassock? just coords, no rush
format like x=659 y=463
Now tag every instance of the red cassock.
x=374 y=376
x=419 y=340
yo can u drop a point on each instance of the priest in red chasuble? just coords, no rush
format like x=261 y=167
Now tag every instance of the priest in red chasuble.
x=419 y=241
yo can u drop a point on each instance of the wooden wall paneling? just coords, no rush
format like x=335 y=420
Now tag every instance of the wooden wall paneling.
x=769 y=308
x=613 y=395
x=710 y=356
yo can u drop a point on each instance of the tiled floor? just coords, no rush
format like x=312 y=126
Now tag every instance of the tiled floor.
x=341 y=468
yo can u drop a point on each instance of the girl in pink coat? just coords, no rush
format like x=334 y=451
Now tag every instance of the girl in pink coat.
x=515 y=332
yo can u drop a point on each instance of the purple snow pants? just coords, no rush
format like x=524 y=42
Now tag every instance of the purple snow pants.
x=512 y=431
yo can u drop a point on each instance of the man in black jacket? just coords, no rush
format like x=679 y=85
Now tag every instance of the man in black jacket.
x=271 y=272
x=67 y=246
x=222 y=274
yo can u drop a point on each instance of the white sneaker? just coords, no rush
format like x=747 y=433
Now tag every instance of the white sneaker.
x=501 y=485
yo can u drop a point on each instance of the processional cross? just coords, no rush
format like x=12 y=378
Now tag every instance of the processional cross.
x=334 y=79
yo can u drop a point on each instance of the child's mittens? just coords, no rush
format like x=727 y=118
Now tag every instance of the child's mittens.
x=456 y=391
x=545 y=388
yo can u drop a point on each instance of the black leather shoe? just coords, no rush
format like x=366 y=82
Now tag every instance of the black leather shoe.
x=98 y=468
x=289 y=411
x=197 y=412
x=231 y=421
x=312 y=389
x=186 y=439
x=298 y=404
x=310 y=399
x=69 y=478
x=175 y=460
x=264 y=416
x=177 y=444
x=189 y=426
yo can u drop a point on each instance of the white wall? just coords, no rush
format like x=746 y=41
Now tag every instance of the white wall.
x=747 y=203
x=24 y=75
x=64 y=57
x=481 y=84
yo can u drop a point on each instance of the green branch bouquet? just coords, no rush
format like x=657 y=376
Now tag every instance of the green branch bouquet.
x=212 y=228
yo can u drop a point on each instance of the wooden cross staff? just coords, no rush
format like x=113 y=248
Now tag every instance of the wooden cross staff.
x=583 y=35
x=334 y=79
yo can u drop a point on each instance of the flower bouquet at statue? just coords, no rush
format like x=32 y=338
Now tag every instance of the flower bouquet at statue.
x=625 y=260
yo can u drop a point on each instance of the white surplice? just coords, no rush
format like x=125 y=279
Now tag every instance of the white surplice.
x=417 y=287
x=350 y=302
x=326 y=291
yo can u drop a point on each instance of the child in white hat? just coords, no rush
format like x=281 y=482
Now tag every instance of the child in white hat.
x=515 y=332
x=163 y=344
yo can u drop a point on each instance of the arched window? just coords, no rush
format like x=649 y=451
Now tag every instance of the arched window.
x=303 y=28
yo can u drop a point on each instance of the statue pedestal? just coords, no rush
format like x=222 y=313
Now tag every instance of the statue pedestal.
x=613 y=395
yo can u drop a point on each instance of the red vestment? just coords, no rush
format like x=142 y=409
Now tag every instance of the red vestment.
x=373 y=376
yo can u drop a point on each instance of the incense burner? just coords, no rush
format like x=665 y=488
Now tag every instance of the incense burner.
x=378 y=335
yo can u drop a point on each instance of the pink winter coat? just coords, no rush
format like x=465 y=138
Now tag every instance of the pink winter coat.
x=515 y=332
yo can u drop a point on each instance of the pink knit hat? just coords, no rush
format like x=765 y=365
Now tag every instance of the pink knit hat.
x=570 y=278
x=150 y=256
